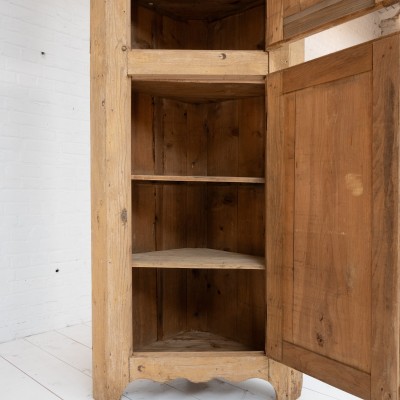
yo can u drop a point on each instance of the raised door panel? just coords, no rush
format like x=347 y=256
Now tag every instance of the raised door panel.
x=332 y=218
x=289 y=19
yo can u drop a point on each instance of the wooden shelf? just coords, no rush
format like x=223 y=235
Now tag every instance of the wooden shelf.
x=192 y=91
x=210 y=179
x=194 y=341
x=199 y=65
x=199 y=258
x=198 y=75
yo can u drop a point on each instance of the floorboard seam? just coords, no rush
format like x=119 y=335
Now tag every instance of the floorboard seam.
x=30 y=377
x=57 y=358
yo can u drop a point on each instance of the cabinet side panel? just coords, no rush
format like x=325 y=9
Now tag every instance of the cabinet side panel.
x=111 y=197
x=385 y=245
x=332 y=221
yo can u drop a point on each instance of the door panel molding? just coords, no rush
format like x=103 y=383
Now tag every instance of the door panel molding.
x=385 y=226
x=293 y=19
x=331 y=371
x=375 y=68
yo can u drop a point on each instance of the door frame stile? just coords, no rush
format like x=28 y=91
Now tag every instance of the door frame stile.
x=111 y=197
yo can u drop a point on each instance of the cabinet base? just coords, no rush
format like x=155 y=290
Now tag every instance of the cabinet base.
x=202 y=367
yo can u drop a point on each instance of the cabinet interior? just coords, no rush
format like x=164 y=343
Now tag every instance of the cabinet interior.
x=198 y=168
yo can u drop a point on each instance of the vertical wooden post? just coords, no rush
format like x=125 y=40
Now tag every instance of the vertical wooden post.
x=111 y=197
x=385 y=365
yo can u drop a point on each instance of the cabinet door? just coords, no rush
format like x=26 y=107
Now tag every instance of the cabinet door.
x=333 y=218
x=288 y=19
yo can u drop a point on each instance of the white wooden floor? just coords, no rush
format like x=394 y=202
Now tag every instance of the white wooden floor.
x=57 y=365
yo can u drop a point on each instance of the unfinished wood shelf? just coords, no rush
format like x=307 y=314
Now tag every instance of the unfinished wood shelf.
x=198 y=75
x=194 y=341
x=195 y=91
x=197 y=259
x=197 y=179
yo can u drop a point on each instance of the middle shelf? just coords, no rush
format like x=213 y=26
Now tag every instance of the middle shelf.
x=194 y=179
x=197 y=258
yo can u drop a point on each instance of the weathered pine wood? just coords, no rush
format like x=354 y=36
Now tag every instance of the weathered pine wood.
x=288 y=55
x=199 y=367
x=192 y=91
x=333 y=372
x=291 y=19
x=275 y=215
x=111 y=197
x=332 y=220
x=199 y=258
x=195 y=341
x=211 y=179
x=335 y=166
x=198 y=64
x=286 y=382
x=385 y=373
x=289 y=133
x=349 y=62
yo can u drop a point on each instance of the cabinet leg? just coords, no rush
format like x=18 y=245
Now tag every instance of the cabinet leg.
x=286 y=381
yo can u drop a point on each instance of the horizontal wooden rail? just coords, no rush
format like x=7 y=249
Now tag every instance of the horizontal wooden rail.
x=235 y=65
x=198 y=179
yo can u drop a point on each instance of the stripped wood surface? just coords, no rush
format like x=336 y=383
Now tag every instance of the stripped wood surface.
x=211 y=179
x=291 y=19
x=198 y=367
x=333 y=166
x=195 y=91
x=199 y=64
x=346 y=378
x=196 y=258
x=111 y=197
x=194 y=341
x=385 y=372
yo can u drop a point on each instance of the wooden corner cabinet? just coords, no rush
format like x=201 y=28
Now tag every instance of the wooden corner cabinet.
x=244 y=221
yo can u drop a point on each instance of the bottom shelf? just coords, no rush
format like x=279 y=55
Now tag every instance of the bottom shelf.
x=198 y=357
x=195 y=341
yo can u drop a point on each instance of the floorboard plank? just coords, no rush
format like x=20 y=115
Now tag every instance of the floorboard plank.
x=65 y=349
x=57 y=376
x=81 y=333
x=16 y=385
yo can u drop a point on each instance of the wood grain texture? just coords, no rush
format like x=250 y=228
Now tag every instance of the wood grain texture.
x=385 y=225
x=289 y=132
x=194 y=341
x=330 y=371
x=317 y=14
x=111 y=197
x=287 y=55
x=196 y=258
x=332 y=221
x=210 y=179
x=349 y=62
x=234 y=366
x=198 y=64
x=199 y=367
x=193 y=91
x=207 y=9
x=286 y=382
x=275 y=215
x=274 y=19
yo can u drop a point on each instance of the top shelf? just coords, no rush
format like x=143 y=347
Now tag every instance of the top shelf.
x=198 y=74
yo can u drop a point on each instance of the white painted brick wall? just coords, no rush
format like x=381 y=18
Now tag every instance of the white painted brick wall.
x=44 y=165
